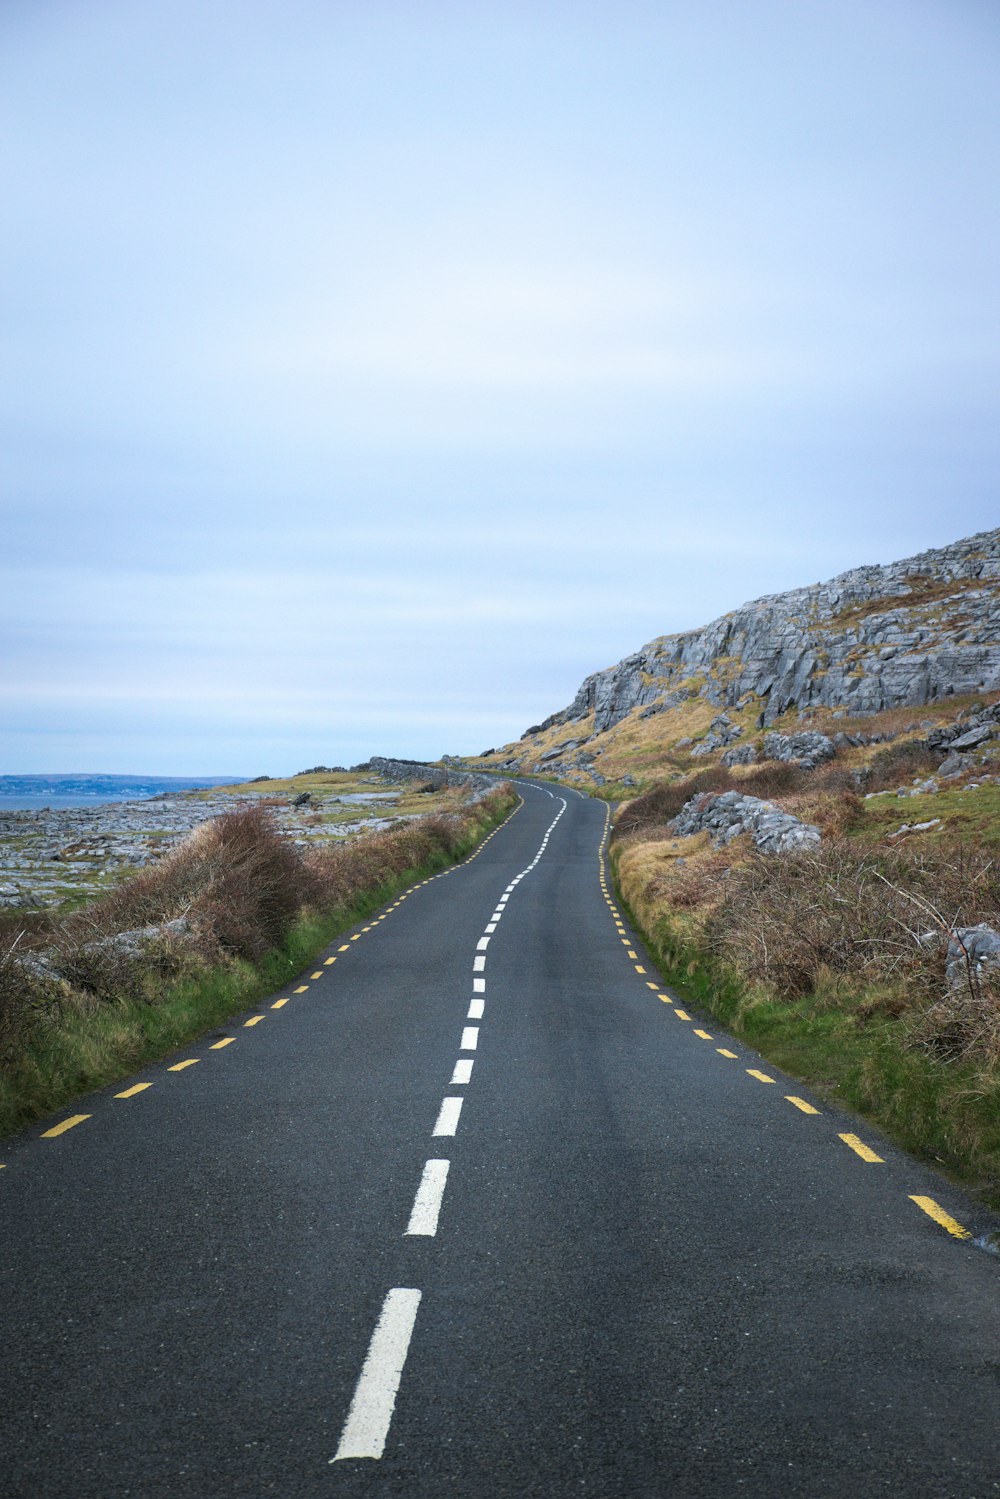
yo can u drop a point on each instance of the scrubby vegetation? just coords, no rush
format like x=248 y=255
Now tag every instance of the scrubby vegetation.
x=226 y=917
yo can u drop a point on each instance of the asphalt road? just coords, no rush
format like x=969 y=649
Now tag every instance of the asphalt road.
x=487 y=1218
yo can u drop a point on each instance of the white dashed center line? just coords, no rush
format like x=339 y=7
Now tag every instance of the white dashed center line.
x=367 y=1424
x=427 y=1203
x=447 y=1119
x=370 y=1415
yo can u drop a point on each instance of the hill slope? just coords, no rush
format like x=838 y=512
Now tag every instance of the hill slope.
x=875 y=638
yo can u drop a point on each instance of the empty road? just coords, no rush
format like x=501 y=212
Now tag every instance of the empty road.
x=475 y=1208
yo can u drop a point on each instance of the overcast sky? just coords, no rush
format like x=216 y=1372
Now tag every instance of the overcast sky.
x=376 y=369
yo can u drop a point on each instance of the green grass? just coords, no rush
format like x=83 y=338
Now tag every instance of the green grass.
x=971 y=815
x=86 y=1048
x=946 y=1114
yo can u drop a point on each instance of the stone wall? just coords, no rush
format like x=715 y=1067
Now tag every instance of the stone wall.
x=435 y=775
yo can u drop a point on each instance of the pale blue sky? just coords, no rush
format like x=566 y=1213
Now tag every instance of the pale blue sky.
x=374 y=371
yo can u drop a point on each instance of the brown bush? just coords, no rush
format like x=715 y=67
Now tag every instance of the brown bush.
x=852 y=910
x=775 y=778
x=964 y=1024
x=238 y=883
x=899 y=763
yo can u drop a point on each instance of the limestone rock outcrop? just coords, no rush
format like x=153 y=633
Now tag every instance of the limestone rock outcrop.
x=726 y=815
x=872 y=638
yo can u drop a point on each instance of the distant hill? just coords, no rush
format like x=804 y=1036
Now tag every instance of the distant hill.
x=874 y=638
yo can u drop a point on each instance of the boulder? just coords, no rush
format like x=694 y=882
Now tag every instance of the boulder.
x=971 y=947
x=740 y=754
x=810 y=748
x=722 y=731
x=728 y=814
x=973 y=737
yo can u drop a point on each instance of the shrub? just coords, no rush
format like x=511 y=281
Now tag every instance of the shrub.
x=897 y=763
x=879 y=914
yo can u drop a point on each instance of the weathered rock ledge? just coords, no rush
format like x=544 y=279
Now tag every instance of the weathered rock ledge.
x=874 y=637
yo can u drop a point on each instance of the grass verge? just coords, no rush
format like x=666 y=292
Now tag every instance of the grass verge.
x=118 y=1012
x=843 y=1041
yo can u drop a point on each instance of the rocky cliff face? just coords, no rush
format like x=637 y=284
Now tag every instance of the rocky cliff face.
x=872 y=638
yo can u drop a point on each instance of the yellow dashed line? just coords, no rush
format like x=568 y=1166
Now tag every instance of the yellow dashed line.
x=317 y=975
x=218 y=1045
x=860 y=1148
x=301 y=989
x=179 y=1066
x=724 y=1053
x=682 y=1015
x=631 y=954
x=342 y=949
x=135 y=1088
x=933 y=1210
x=254 y=1020
x=649 y=985
x=639 y=968
x=328 y=961
x=761 y=1077
x=704 y=1035
x=278 y=1003
x=356 y=937
x=60 y=1129
x=800 y=1103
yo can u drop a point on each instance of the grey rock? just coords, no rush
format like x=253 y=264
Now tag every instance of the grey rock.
x=855 y=643
x=451 y=775
x=954 y=765
x=722 y=731
x=915 y=827
x=740 y=754
x=971 y=947
x=809 y=748
x=728 y=814
x=973 y=738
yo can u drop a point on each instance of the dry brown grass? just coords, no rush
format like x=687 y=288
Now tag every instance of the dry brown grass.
x=964 y=1024
x=877 y=914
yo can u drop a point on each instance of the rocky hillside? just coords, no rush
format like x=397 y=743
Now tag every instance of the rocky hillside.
x=875 y=638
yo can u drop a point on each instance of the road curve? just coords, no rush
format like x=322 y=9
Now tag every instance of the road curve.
x=475 y=1208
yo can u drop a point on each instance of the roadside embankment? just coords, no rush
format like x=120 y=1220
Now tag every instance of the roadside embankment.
x=869 y=968
x=227 y=916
